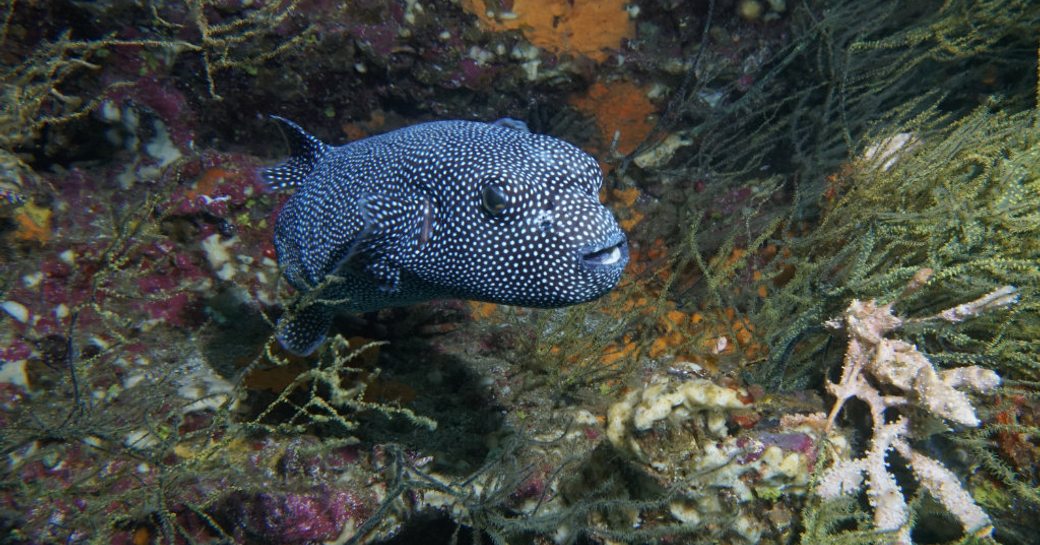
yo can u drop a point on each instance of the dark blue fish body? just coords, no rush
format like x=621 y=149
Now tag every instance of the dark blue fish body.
x=482 y=211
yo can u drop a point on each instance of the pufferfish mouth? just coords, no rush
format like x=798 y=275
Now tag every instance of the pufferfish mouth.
x=611 y=253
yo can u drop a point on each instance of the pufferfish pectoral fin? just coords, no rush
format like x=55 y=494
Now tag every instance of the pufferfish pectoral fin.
x=389 y=227
x=305 y=328
x=305 y=152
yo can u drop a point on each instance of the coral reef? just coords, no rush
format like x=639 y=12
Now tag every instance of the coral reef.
x=771 y=162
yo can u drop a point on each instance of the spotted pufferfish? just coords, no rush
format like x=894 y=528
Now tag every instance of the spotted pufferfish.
x=447 y=209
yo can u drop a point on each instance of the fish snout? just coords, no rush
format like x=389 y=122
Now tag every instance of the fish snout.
x=608 y=254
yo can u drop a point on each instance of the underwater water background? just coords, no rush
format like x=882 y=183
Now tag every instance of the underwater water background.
x=827 y=331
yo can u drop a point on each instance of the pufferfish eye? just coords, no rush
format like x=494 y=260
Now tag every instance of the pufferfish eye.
x=493 y=199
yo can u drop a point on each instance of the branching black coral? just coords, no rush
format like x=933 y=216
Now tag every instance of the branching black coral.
x=234 y=43
x=935 y=194
x=953 y=201
x=343 y=398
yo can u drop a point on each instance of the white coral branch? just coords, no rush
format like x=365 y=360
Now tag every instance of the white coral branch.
x=998 y=298
x=873 y=363
x=943 y=485
x=891 y=512
x=843 y=477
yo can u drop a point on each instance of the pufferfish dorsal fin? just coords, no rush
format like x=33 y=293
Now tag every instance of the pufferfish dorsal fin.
x=510 y=123
x=305 y=151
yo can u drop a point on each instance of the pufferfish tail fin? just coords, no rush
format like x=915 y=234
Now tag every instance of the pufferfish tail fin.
x=305 y=151
x=302 y=331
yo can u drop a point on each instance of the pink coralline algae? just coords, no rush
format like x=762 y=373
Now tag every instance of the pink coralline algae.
x=798 y=442
x=222 y=182
x=534 y=486
x=472 y=75
x=381 y=38
x=17 y=350
x=162 y=280
x=295 y=518
x=165 y=101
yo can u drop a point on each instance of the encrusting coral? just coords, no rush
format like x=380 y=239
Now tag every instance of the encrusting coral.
x=583 y=27
x=713 y=459
x=622 y=111
x=873 y=365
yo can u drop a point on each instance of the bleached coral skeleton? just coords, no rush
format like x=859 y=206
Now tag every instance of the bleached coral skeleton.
x=872 y=363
